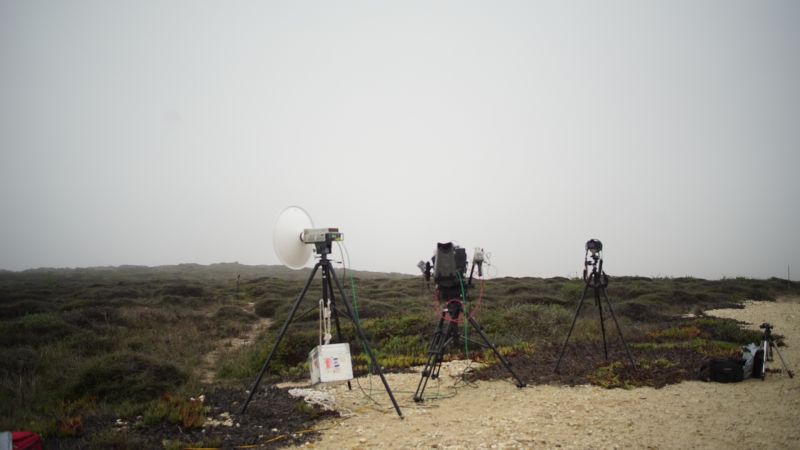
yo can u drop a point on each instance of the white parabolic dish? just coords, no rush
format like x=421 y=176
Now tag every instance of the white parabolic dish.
x=290 y=249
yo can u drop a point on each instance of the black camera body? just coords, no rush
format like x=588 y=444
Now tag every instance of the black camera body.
x=594 y=245
x=594 y=252
x=450 y=269
x=767 y=330
x=594 y=260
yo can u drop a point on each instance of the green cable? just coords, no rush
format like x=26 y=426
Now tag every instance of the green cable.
x=466 y=325
x=355 y=314
x=355 y=298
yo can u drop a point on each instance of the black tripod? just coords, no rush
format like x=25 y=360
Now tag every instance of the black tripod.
x=328 y=274
x=447 y=332
x=598 y=281
x=768 y=344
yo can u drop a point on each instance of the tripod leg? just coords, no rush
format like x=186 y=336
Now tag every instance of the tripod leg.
x=434 y=360
x=449 y=337
x=280 y=337
x=775 y=347
x=572 y=327
x=423 y=381
x=363 y=338
x=764 y=350
x=502 y=358
x=619 y=330
x=602 y=322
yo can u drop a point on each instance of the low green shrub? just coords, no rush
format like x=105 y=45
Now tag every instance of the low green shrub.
x=87 y=343
x=33 y=330
x=685 y=332
x=183 y=290
x=188 y=413
x=233 y=313
x=127 y=376
x=726 y=330
x=267 y=308
x=21 y=308
x=608 y=376
x=19 y=377
x=96 y=318
x=572 y=289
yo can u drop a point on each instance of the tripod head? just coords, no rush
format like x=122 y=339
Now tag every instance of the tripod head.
x=767 y=331
x=594 y=259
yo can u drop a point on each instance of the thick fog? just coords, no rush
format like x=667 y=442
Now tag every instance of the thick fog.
x=169 y=132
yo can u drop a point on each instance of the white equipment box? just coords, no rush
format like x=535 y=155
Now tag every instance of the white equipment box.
x=330 y=363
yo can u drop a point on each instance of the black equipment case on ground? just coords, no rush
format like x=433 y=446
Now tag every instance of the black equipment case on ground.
x=726 y=370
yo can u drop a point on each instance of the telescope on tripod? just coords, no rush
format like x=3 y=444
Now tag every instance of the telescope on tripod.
x=595 y=279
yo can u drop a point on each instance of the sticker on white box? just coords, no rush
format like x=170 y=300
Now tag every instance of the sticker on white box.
x=330 y=363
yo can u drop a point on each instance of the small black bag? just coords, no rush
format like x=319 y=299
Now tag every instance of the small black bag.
x=726 y=370
x=758 y=364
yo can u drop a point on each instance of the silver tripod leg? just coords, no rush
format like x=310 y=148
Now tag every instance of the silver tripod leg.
x=775 y=347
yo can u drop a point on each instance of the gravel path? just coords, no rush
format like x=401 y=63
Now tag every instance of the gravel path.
x=495 y=414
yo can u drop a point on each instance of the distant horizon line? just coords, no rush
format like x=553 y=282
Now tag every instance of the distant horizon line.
x=280 y=266
x=120 y=266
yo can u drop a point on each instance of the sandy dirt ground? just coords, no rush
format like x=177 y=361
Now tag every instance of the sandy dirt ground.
x=496 y=414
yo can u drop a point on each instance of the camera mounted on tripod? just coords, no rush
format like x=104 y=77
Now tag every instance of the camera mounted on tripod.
x=594 y=259
x=594 y=249
x=449 y=272
x=322 y=238
x=768 y=345
x=597 y=280
x=449 y=269
x=767 y=331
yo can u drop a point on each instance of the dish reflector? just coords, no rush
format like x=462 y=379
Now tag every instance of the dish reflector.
x=291 y=250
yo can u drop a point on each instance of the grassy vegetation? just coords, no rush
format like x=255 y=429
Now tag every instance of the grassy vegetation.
x=127 y=341
x=76 y=343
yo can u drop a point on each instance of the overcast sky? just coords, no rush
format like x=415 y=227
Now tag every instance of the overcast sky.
x=168 y=132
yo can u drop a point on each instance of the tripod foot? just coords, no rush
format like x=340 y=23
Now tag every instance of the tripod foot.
x=418 y=399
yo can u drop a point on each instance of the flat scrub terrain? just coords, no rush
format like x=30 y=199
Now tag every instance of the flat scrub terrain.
x=133 y=357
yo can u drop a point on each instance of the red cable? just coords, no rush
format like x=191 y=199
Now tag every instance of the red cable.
x=437 y=305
